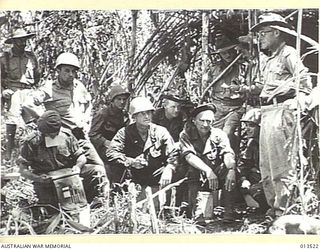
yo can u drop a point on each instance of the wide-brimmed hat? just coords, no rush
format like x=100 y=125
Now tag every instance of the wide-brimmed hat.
x=201 y=108
x=18 y=34
x=270 y=19
x=224 y=43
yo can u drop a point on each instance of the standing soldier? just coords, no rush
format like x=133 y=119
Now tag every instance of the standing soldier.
x=19 y=73
x=278 y=106
x=227 y=93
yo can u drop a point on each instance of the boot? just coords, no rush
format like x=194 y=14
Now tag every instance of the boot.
x=11 y=132
x=228 y=203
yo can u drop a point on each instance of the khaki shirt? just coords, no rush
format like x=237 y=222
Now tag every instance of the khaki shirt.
x=278 y=71
x=19 y=71
x=158 y=150
x=43 y=159
x=211 y=152
x=72 y=103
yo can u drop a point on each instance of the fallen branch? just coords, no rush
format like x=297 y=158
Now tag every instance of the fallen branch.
x=140 y=203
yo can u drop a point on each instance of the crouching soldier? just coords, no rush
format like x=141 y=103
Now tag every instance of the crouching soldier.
x=51 y=148
x=250 y=180
x=143 y=148
x=209 y=157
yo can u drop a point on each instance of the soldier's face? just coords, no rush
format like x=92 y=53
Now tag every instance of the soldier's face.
x=66 y=74
x=172 y=108
x=266 y=37
x=228 y=55
x=203 y=121
x=144 y=118
x=252 y=129
x=120 y=101
x=20 y=44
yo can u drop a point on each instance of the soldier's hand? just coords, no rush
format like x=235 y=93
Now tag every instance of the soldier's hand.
x=230 y=180
x=212 y=179
x=7 y=93
x=166 y=177
x=36 y=101
x=137 y=164
x=76 y=169
x=245 y=184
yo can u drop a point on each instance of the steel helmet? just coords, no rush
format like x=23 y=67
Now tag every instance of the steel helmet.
x=140 y=104
x=253 y=115
x=117 y=90
x=68 y=59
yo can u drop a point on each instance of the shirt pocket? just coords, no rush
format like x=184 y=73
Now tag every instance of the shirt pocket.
x=64 y=152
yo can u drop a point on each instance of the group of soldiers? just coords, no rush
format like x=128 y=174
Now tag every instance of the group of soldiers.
x=155 y=146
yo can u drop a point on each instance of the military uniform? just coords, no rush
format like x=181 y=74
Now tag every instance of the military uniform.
x=158 y=150
x=174 y=125
x=211 y=153
x=43 y=159
x=278 y=122
x=72 y=103
x=229 y=103
x=74 y=106
x=19 y=73
x=105 y=124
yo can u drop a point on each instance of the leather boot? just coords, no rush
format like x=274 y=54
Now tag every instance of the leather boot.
x=228 y=203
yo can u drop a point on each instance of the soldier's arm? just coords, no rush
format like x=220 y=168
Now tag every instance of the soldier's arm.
x=115 y=152
x=227 y=153
x=189 y=154
x=24 y=163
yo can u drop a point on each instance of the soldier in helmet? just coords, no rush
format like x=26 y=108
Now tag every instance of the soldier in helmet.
x=69 y=97
x=107 y=122
x=19 y=73
x=248 y=164
x=143 y=148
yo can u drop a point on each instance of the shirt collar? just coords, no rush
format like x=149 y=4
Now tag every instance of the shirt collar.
x=58 y=85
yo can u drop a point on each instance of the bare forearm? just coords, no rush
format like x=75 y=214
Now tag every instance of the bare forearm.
x=197 y=163
x=81 y=161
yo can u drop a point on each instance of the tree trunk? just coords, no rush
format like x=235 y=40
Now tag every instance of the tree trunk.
x=131 y=81
x=205 y=50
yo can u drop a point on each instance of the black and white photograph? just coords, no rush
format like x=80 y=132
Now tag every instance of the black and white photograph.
x=160 y=121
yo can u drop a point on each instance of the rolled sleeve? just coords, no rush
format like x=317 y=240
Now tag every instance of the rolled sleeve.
x=186 y=146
